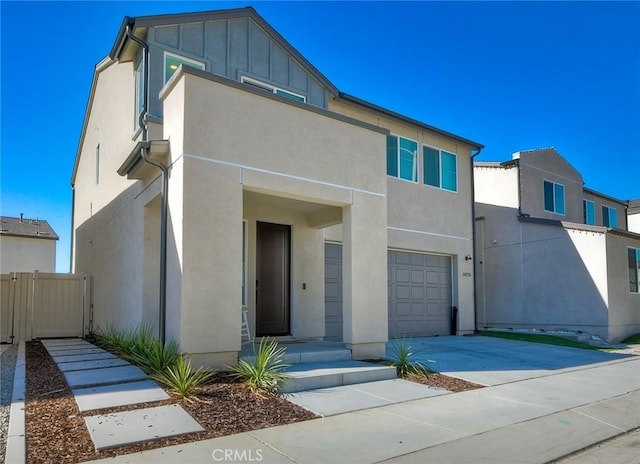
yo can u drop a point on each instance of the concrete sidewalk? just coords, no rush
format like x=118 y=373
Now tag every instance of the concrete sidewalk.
x=536 y=419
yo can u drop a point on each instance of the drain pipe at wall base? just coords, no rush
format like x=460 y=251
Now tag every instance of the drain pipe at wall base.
x=473 y=241
x=144 y=151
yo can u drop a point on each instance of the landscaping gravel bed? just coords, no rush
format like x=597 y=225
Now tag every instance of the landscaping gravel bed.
x=7 y=367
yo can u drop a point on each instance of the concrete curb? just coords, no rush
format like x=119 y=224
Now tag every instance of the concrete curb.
x=16 y=439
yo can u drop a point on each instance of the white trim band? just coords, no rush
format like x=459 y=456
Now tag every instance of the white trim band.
x=280 y=174
x=422 y=232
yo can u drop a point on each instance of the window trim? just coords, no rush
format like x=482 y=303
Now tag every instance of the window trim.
x=585 y=211
x=609 y=209
x=196 y=64
x=637 y=250
x=440 y=151
x=564 y=189
x=416 y=159
x=271 y=88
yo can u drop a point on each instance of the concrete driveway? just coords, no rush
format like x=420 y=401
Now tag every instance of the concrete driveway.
x=495 y=361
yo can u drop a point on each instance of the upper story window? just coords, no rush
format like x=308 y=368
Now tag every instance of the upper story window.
x=172 y=63
x=273 y=89
x=402 y=158
x=440 y=168
x=634 y=269
x=609 y=216
x=589 y=210
x=553 y=197
x=139 y=74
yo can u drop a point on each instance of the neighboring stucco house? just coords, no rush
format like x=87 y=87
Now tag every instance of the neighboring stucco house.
x=323 y=215
x=633 y=216
x=552 y=254
x=26 y=245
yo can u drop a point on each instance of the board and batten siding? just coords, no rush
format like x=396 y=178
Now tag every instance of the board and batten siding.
x=230 y=48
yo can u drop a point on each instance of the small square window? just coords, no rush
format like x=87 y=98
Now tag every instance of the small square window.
x=402 y=158
x=589 y=210
x=440 y=168
x=553 y=197
x=609 y=217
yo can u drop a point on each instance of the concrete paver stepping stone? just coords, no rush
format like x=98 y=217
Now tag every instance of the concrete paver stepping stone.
x=59 y=360
x=125 y=428
x=338 y=400
x=87 y=350
x=62 y=341
x=56 y=349
x=104 y=376
x=121 y=394
x=91 y=364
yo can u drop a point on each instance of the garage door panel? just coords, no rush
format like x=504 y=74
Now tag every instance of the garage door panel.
x=403 y=275
x=419 y=294
x=403 y=309
x=418 y=309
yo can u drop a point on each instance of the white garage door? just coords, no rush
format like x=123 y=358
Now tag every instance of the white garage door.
x=419 y=294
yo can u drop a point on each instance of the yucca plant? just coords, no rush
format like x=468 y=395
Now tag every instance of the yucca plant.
x=404 y=363
x=265 y=374
x=182 y=378
x=153 y=357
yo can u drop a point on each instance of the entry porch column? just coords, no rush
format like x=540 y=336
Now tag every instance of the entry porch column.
x=364 y=269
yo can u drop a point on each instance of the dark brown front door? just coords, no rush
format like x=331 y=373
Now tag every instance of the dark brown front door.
x=272 y=279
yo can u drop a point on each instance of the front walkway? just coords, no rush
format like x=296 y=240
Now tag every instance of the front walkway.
x=537 y=410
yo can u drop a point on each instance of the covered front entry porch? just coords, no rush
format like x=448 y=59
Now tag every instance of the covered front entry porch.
x=283 y=273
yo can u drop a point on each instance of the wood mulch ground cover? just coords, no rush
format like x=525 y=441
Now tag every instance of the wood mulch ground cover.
x=56 y=432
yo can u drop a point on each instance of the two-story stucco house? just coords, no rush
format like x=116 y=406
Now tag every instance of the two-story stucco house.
x=550 y=253
x=322 y=215
x=26 y=245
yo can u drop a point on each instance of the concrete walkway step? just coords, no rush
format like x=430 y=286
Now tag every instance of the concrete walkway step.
x=312 y=376
x=129 y=427
x=348 y=398
x=104 y=376
x=121 y=394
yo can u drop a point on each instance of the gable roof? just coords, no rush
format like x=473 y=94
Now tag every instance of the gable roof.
x=123 y=49
x=30 y=228
x=121 y=52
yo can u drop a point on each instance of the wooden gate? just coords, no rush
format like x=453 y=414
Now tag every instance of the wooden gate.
x=43 y=305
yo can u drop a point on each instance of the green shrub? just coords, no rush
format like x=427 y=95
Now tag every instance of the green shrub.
x=182 y=378
x=266 y=373
x=404 y=363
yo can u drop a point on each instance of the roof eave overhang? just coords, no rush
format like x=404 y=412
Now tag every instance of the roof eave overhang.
x=393 y=114
x=135 y=167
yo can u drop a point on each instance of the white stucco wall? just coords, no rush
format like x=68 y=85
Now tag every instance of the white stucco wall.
x=23 y=254
x=634 y=222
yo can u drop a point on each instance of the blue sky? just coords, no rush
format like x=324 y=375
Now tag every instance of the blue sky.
x=510 y=75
